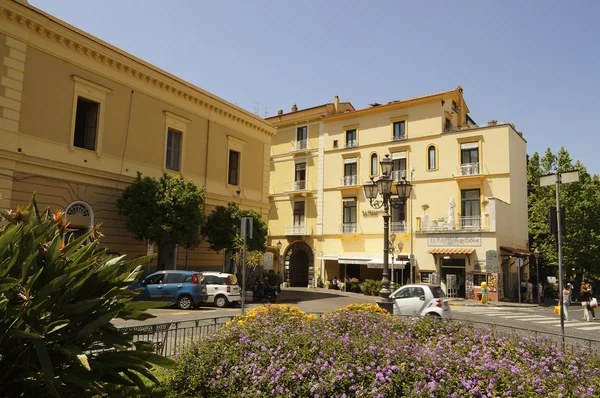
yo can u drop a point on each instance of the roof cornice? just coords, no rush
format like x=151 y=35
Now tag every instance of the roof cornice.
x=103 y=53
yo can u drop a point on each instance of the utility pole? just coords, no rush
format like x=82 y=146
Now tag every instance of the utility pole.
x=245 y=231
x=557 y=179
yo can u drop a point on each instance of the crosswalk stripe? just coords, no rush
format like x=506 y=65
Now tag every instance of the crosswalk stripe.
x=572 y=325
x=546 y=321
x=513 y=316
x=529 y=318
x=492 y=313
x=590 y=328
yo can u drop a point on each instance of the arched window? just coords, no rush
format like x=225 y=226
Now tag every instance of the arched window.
x=374 y=164
x=431 y=158
x=83 y=218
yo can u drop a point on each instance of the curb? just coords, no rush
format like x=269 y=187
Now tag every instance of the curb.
x=508 y=304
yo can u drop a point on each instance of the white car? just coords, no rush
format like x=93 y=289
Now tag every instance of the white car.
x=222 y=288
x=421 y=299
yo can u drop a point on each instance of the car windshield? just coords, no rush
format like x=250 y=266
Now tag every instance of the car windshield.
x=438 y=292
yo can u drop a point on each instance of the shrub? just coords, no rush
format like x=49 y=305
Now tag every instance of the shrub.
x=359 y=352
x=57 y=301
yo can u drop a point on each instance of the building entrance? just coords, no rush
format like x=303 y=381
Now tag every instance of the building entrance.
x=299 y=264
x=453 y=277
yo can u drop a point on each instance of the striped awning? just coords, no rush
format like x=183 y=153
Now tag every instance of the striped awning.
x=451 y=250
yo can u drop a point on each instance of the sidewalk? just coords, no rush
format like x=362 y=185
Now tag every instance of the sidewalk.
x=457 y=302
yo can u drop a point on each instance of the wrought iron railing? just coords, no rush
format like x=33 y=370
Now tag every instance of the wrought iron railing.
x=347 y=181
x=398 y=175
x=398 y=227
x=349 y=228
x=300 y=145
x=469 y=169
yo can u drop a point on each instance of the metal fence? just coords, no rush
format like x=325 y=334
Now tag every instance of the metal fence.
x=168 y=338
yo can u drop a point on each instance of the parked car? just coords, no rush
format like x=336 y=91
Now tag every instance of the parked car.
x=222 y=288
x=183 y=288
x=421 y=299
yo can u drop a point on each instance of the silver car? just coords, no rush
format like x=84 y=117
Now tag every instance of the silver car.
x=222 y=288
x=421 y=299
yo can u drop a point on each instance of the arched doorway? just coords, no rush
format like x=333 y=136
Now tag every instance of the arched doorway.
x=299 y=264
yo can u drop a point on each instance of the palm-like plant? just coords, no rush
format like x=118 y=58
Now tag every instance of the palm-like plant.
x=57 y=301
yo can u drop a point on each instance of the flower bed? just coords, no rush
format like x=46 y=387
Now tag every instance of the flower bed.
x=278 y=351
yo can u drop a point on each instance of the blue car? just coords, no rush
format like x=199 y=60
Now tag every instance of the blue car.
x=184 y=288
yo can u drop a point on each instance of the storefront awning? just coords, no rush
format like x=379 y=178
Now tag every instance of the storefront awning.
x=354 y=260
x=516 y=252
x=451 y=250
x=334 y=258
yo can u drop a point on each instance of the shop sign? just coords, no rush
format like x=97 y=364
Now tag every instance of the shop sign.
x=491 y=260
x=372 y=213
x=479 y=266
x=268 y=261
x=454 y=240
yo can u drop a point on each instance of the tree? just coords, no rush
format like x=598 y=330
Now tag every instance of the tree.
x=581 y=201
x=168 y=211
x=58 y=296
x=222 y=229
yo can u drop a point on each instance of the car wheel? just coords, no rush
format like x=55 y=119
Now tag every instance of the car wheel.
x=185 y=302
x=221 y=301
x=433 y=314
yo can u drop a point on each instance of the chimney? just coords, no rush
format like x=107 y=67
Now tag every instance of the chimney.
x=280 y=112
x=294 y=108
x=336 y=103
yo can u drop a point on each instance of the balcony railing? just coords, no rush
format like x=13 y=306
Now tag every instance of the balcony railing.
x=464 y=223
x=301 y=145
x=398 y=227
x=351 y=143
x=399 y=137
x=349 y=228
x=469 y=169
x=298 y=186
x=295 y=230
x=398 y=175
x=348 y=181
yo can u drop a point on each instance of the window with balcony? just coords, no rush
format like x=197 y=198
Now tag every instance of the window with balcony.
x=301 y=137
x=173 y=157
x=470 y=209
x=298 y=226
x=469 y=158
x=349 y=216
x=398 y=219
x=431 y=158
x=351 y=138
x=399 y=129
x=300 y=177
x=374 y=164
x=233 y=177
x=448 y=125
x=399 y=165
x=350 y=172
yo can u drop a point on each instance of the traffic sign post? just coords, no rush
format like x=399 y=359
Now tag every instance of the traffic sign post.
x=557 y=179
x=245 y=232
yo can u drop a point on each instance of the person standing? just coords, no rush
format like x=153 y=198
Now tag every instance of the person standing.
x=529 y=291
x=334 y=283
x=566 y=302
x=540 y=292
x=589 y=287
x=523 y=289
x=585 y=296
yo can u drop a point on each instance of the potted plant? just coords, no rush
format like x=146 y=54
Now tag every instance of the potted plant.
x=367 y=287
x=354 y=285
x=376 y=288
x=424 y=217
x=328 y=285
x=319 y=281
x=341 y=286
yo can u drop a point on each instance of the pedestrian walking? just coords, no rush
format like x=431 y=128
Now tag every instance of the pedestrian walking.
x=540 y=292
x=334 y=283
x=591 y=289
x=523 y=289
x=585 y=296
x=566 y=302
x=529 y=291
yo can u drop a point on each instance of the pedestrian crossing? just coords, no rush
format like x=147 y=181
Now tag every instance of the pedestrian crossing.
x=527 y=315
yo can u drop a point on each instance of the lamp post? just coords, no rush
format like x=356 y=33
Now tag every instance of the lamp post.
x=536 y=254
x=400 y=247
x=384 y=186
x=393 y=251
x=279 y=245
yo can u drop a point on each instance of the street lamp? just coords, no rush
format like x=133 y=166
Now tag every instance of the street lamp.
x=536 y=254
x=279 y=245
x=384 y=186
x=400 y=247
x=393 y=251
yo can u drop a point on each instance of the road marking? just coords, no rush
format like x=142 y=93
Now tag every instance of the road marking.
x=529 y=318
x=520 y=316
x=573 y=324
x=591 y=328
x=493 y=313
x=546 y=321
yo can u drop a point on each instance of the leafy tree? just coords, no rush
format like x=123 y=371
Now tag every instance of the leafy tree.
x=581 y=201
x=168 y=211
x=57 y=301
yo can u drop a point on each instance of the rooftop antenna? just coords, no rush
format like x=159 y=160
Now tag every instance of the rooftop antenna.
x=257 y=106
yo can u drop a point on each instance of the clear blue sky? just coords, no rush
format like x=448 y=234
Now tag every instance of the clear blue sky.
x=532 y=63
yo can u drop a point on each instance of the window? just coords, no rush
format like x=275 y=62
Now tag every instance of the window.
x=469 y=158
x=173 y=150
x=89 y=101
x=448 y=125
x=349 y=216
x=300 y=176
x=155 y=279
x=234 y=168
x=175 y=278
x=431 y=160
x=335 y=143
x=299 y=213
x=399 y=130
x=399 y=165
x=478 y=278
x=351 y=138
x=86 y=124
x=425 y=277
x=301 y=137
x=470 y=208
x=398 y=219
x=411 y=292
x=374 y=164
x=350 y=171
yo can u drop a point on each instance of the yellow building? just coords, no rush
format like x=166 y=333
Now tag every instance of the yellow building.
x=80 y=118
x=468 y=204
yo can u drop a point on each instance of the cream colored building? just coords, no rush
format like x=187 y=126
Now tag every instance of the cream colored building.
x=470 y=179
x=80 y=118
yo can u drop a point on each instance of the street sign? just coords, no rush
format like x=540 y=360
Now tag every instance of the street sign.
x=149 y=247
x=548 y=180
x=268 y=261
x=491 y=261
x=246 y=227
x=570 y=176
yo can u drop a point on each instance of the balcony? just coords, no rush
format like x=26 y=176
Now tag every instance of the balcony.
x=398 y=175
x=398 y=227
x=301 y=146
x=349 y=228
x=299 y=188
x=469 y=170
x=296 y=230
x=349 y=182
x=398 y=138
x=449 y=224
x=351 y=144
